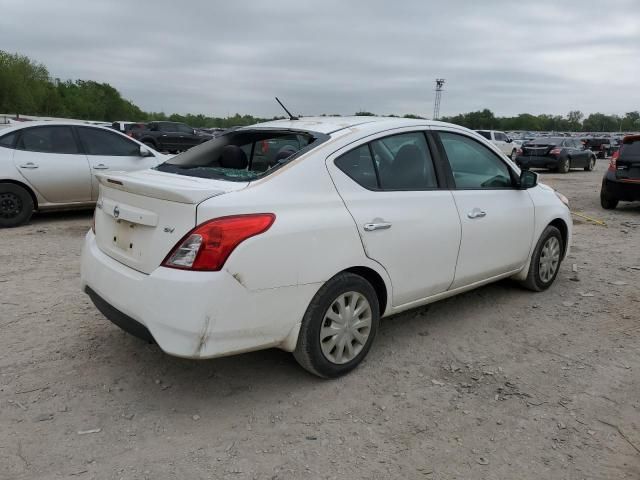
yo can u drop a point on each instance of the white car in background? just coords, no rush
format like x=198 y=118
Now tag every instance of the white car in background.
x=302 y=234
x=502 y=141
x=52 y=165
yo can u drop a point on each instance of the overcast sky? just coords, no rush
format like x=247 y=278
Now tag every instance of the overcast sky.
x=340 y=56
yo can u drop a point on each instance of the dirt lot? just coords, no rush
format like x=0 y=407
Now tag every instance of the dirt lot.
x=499 y=383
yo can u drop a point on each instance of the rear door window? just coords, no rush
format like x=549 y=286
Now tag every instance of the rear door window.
x=53 y=139
x=102 y=142
x=358 y=165
x=404 y=162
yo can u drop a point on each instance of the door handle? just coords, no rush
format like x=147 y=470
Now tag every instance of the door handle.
x=370 y=227
x=476 y=213
x=29 y=165
x=100 y=166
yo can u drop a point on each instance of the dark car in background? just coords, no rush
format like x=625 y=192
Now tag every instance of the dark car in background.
x=555 y=153
x=621 y=182
x=601 y=146
x=171 y=137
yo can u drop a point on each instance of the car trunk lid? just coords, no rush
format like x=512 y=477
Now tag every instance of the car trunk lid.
x=140 y=216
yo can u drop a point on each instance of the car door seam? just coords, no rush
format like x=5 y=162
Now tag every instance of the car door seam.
x=455 y=269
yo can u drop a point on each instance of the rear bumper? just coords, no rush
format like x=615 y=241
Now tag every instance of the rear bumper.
x=193 y=314
x=536 y=162
x=627 y=191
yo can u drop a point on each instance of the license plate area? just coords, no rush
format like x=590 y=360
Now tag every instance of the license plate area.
x=123 y=235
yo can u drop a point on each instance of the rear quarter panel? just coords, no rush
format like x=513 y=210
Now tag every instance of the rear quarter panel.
x=313 y=237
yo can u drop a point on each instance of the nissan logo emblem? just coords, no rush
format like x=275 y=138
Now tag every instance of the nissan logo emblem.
x=116 y=211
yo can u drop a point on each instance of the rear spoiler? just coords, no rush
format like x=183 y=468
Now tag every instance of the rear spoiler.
x=187 y=191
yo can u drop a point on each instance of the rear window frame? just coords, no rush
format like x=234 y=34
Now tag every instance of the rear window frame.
x=318 y=138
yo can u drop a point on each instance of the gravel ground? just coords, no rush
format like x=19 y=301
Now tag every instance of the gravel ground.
x=498 y=383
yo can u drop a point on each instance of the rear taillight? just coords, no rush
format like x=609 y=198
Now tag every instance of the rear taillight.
x=613 y=162
x=207 y=247
x=555 y=151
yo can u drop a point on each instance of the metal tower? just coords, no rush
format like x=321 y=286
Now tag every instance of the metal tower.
x=436 y=103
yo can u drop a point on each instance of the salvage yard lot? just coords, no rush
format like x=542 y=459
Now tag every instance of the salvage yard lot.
x=495 y=383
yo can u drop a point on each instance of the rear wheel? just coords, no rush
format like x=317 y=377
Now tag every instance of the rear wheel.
x=545 y=261
x=607 y=202
x=592 y=165
x=16 y=205
x=338 y=327
x=564 y=165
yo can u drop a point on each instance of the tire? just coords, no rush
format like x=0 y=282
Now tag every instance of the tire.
x=16 y=205
x=607 y=202
x=550 y=246
x=591 y=166
x=329 y=357
x=564 y=165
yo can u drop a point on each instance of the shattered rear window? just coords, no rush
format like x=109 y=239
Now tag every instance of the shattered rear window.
x=243 y=155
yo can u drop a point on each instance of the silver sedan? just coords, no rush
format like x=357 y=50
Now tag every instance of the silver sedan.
x=52 y=165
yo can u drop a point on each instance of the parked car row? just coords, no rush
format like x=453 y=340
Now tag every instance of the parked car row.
x=207 y=253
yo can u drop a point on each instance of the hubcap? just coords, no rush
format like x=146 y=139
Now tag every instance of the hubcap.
x=549 y=259
x=346 y=327
x=10 y=205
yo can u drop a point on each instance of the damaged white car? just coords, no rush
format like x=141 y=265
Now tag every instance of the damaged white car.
x=301 y=234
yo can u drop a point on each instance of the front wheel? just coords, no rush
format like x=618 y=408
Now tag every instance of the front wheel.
x=591 y=166
x=545 y=261
x=338 y=327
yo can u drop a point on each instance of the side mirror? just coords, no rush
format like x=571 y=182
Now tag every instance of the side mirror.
x=528 y=179
x=509 y=140
x=145 y=152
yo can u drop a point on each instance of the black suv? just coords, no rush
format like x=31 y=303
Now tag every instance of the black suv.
x=172 y=137
x=622 y=180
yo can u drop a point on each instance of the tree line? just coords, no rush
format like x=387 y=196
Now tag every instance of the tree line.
x=27 y=88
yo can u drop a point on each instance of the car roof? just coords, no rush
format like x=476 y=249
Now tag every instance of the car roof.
x=50 y=123
x=330 y=125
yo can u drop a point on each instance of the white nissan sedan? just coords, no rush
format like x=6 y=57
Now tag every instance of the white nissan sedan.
x=302 y=234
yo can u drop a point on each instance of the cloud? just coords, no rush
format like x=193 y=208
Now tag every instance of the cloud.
x=335 y=56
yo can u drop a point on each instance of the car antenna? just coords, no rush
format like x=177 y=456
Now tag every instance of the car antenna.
x=291 y=117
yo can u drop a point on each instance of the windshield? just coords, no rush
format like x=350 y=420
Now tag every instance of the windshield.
x=243 y=155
